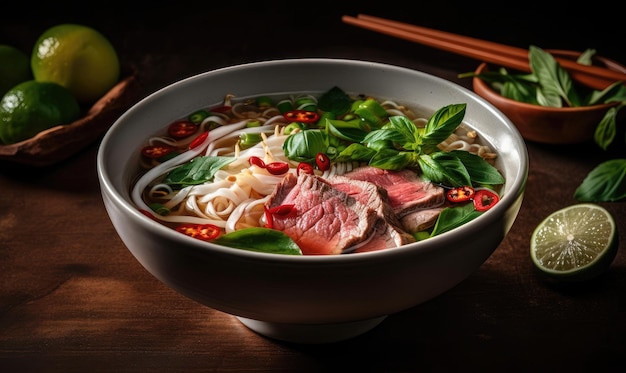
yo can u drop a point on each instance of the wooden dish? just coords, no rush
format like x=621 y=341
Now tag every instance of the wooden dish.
x=58 y=143
x=548 y=125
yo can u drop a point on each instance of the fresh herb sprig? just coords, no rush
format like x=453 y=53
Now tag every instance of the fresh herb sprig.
x=550 y=85
x=396 y=143
x=400 y=144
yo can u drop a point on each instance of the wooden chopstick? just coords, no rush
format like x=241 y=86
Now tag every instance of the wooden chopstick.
x=595 y=77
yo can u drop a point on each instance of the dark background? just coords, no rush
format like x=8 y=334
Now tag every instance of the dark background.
x=200 y=36
x=73 y=299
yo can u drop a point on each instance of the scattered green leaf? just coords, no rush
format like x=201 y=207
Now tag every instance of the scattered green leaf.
x=605 y=183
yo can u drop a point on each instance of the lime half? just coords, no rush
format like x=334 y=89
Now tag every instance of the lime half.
x=578 y=242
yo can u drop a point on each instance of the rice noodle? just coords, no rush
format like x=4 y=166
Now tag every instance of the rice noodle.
x=236 y=196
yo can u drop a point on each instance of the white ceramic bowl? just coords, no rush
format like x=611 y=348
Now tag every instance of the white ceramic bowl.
x=308 y=299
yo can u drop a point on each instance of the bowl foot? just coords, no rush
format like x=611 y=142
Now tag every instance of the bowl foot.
x=311 y=333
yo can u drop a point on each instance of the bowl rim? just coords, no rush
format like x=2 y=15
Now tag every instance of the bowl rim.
x=508 y=200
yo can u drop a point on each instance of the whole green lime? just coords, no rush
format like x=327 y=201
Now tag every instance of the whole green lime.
x=31 y=107
x=14 y=67
x=77 y=57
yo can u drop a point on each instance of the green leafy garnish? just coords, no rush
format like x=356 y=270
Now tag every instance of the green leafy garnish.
x=367 y=134
x=453 y=217
x=398 y=144
x=417 y=148
x=303 y=146
x=199 y=170
x=335 y=101
x=259 y=239
x=441 y=125
x=479 y=170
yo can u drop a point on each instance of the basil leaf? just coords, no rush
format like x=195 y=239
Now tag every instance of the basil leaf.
x=554 y=80
x=548 y=98
x=335 y=101
x=355 y=152
x=453 y=217
x=614 y=92
x=259 y=239
x=444 y=168
x=604 y=133
x=431 y=170
x=520 y=90
x=586 y=57
x=480 y=171
x=303 y=146
x=391 y=159
x=441 y=125
x=454 y=170
x=400 y=130
x=349 y=133
x=387 y=133
x=605 y=183
x=199 y=170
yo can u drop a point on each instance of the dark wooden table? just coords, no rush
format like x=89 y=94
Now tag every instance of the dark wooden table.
x=73 y=299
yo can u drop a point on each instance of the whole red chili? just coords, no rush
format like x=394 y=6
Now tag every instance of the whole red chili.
x=277 y=168
x=199 y=140
x=302 y=116
x=304 y=168
x=484 y=199
x=157 y=151
x=322 y=161
x=181 y=129
x=460 y=194
x=204 y=232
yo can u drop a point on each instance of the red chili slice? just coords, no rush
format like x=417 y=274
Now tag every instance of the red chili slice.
x=302 y=116
x=484 y=199
x=277 y=168
x=156 y=151
x=322 y=161
x=204 y=232
x=281 y=212
x=181 y=129
x=148 y=214
x=304 y=168
x=199 y=140
x=256 y=161
x=460 y=194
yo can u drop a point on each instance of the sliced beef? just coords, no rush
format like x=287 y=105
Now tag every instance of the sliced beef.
x=420 y=220
x=388 y=230
x=406 y=191
x=327 y=220
x=366 y=209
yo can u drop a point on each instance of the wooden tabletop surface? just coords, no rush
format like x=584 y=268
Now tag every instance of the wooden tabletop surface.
x=73 y=298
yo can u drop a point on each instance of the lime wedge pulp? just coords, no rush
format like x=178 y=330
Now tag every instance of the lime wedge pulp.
x=577 y=242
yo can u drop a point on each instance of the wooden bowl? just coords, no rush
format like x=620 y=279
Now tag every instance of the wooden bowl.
x=568 y=125
x=58 y=143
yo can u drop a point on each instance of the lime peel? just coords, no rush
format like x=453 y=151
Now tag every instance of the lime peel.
x=578 y=242
x=77 y=57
